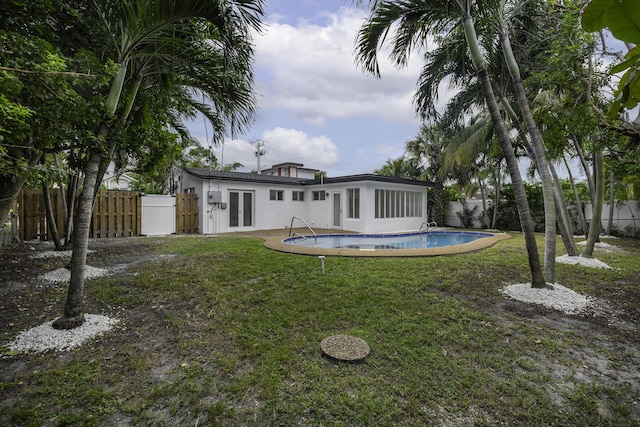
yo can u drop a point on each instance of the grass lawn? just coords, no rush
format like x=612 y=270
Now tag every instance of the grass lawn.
x=222 y=331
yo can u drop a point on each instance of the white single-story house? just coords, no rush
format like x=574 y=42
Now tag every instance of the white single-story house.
x=122 y=181
x=239 y=201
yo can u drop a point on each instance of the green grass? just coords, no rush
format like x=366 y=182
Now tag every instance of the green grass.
x=226 y=332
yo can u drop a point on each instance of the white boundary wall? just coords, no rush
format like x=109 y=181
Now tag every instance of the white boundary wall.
x=626 y=216
x=451 y=219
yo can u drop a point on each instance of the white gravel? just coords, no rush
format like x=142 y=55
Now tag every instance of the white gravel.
x=601 y=245
x=559 y=298
x=45 y=337
x=62 y=275
x=54 y=254
x=580 y=260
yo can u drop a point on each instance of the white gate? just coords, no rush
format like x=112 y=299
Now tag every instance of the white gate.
x=158 y=215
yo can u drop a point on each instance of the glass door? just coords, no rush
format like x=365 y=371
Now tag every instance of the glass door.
x=241 y=209
x=337 y=210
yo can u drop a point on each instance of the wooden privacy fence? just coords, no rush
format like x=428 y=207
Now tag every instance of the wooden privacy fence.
x=186 y=213
x=115 y=214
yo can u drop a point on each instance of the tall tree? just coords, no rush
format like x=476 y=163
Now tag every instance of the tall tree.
x=42 y=90
x=537 y=143
x=200 y=45
x=475 y=150
x=426 y=149
x=411 y=22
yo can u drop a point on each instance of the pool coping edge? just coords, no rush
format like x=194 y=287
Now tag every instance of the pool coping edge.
x=276 y=243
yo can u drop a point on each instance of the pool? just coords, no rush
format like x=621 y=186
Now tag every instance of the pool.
x=431 y=239
x=429 y=243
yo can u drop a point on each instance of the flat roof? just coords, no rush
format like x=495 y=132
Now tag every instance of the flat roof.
x=205 y=173
x=370 y=177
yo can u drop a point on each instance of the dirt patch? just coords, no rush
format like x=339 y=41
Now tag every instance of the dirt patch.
x=28 y=299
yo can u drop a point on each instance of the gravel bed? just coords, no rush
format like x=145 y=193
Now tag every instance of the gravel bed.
x=558 y=298
x=55 y=254
x=580 y=260
x=45 y=337
x=62 y=275
x=601 y=245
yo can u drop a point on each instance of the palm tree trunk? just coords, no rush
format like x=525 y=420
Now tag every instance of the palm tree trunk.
x=485 y=214
x=74 y=309
x=496 y=203
x=52 y=225
x=540 y=157
x=585 y=167
x=562 y=211
x=537 y=276
x=94 y=171
x=612 y=200
x=594 y=227
x=576 y=196
x=63 y=197
x=72 y=191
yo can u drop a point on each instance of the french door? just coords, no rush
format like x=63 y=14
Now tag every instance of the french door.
x=241 y=209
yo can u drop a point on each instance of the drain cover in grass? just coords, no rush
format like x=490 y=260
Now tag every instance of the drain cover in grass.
x=345 y=347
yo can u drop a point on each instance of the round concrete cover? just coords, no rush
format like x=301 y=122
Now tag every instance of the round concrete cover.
x=345 y=347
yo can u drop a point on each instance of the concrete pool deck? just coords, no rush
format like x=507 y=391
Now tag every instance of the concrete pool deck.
x=273 y=239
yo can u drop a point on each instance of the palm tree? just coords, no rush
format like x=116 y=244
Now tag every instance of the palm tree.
x=402 y=167
x=411 y=22
x=426 y=149
x=474 y=149
x=200 y=45
x=537 y=143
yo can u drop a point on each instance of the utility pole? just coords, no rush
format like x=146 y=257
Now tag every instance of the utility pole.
x=260 y=151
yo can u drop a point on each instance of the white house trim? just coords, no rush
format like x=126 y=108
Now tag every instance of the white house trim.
x=238 y=201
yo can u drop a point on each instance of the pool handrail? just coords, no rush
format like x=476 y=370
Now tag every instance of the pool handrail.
x=426 y=226
x=305 y=223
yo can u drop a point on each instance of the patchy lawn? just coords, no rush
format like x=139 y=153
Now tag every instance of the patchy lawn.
x=222 y=331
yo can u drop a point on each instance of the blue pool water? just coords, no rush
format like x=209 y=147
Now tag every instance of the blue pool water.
x=431 y=239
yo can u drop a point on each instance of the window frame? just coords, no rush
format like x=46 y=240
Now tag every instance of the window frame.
x=276 y=195
x=353 y=203
x=318 y=195
x=397 y=203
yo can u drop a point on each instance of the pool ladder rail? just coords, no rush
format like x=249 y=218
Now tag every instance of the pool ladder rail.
x=427 y=226
x=300 y=235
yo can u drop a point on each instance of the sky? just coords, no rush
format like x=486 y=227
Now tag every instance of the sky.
x=315 y=106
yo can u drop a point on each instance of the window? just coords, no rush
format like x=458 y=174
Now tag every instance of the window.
x=318 y=195
x=398 y=204
x=353 y=196
x=276 y=195
x=297 y=196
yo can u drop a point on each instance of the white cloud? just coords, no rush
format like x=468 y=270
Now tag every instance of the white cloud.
x=310 y=70
x=282 y=145
x=297 y=146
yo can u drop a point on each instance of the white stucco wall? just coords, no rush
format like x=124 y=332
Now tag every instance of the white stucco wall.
x=320 y=213
x=275 y=214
